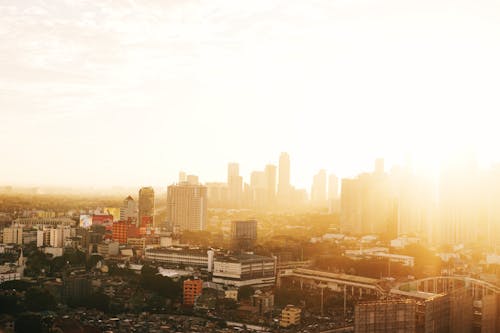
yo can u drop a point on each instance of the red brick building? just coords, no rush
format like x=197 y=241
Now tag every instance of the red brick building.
x=122 y=230
x=192 y=289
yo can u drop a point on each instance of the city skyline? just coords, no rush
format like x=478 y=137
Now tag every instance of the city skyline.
x=84 y=86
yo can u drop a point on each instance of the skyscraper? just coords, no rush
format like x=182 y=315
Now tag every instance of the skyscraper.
x=146 y=205
x=284 y=187
x=182 y=177
x=187 y=206
x=318 y=189
x=270 y=175
x=128 y=210
x=333 y=187
x=234 y=184
x=258 y=187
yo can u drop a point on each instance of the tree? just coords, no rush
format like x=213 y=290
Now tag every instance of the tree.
x=245 y=292
x=28 y=323
x=37 y=299
x=9 y=304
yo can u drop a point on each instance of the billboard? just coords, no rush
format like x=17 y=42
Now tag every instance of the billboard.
x=113 y=211
x=85 y=221
x=101 y=219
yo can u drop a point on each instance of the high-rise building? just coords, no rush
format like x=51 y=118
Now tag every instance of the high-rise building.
x=318 y=189
x=284 y=187
x=182 y=177
x=146 y=205
x=217 y=194
x=235 y=184
x=258 y=188
x=333 y=194
x=333 y=187
x=192 y=180
x=187 y=206
x=270 y=178
x=59 y=235
x=128 y=210
x=243 y=235
x=367 y=205
x=13 y=235
x=460 y=200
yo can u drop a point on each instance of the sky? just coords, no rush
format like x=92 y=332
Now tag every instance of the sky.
x=131 y=92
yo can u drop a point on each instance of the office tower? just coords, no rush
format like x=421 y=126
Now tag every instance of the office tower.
x=350 y=206
x=128 y=210
x=333 y=187
x=367 y=205
x=270 y=175
x=146 y=206
x=243 y=235
x=192 y=180
x=284 y=187
x=460 y=200
x=258 y=187
x=234 y=183
x=187 y=206
x=333 y=194
x=217 y=194
x=318 y=189
x=182 y=177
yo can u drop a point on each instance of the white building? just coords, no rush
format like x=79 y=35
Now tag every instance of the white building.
x=13 y=235
x=244 y=270
x=58 y=236
x=175 y=256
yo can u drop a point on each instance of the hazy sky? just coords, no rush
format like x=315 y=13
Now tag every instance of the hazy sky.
x=130 y=92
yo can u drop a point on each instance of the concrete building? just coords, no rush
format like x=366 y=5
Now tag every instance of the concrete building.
x=58 y=236
x=175 y=256
x=290 y=316
x=386 y=316
x=243 y=235
x=191 y=290
x=187 y=206
x=146 y=206
x=284 y=186
x=13 y=235
x=263 y=301
x=270 y=178
x=244 y=270
x=108 y=248
x=234 y=184
x=41 y=222
x=318 y=189
x=76 y=287
x=368 y=205
x=217 y=194
x=128 y=210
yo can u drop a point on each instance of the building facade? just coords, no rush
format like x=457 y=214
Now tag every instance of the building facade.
x=187 y=206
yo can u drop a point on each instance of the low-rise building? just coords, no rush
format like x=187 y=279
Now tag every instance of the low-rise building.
x=244 y=270
x=290 y=316
x=108 y=248
x=175 y=256
x=263 y=301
